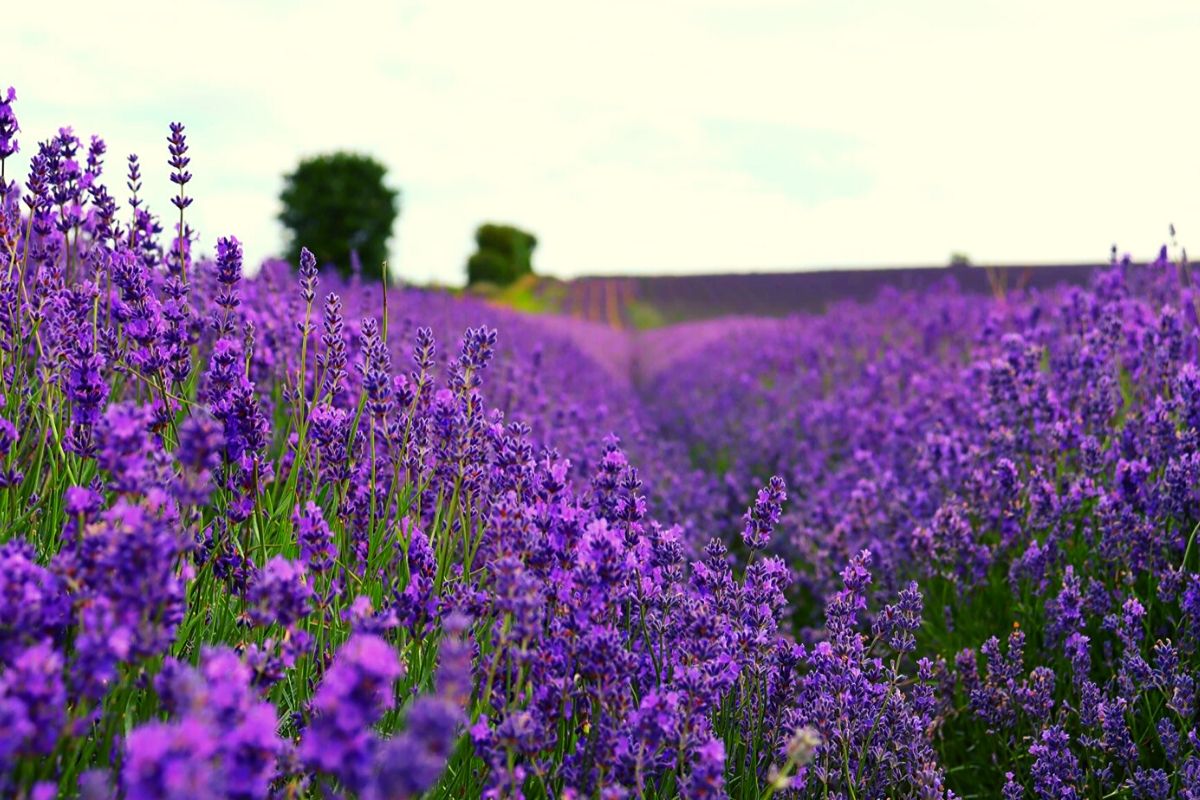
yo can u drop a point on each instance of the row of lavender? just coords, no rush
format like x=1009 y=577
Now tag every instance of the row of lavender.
x=264 y=538
x=1033 y=463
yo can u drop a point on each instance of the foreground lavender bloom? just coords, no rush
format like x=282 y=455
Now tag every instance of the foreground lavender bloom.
x=354 y=694
x=375 y=367
x=133 y=181
x=332 y=360
x=314 y=537
x=124 y=447
x=330 y=431
x=308 y=276
x=1056 y=771
x=229 y=272
x=87 y=389
x=222 y=743
x=32 y=703
x=199 y=453
x=170 y=761
x=177 y=145
x=410 y=763
x=9 y=145
x=707 y=776
x=33 y=601
x=126 y=563
x=8 y=125
x=280 y=594
x=246 y=427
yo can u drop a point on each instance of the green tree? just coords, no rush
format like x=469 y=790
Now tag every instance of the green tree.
x=504 y=254
x=337 y=204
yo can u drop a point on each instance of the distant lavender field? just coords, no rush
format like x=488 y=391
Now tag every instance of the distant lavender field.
x=683 y=298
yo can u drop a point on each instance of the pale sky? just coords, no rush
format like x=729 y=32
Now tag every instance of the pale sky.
x=653 y=137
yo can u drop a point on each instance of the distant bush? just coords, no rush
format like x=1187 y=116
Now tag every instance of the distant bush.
x=505 y=253
x=338 y=204
x=489 y=266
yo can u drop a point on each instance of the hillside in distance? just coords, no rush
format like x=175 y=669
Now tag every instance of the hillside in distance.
x=650 y=301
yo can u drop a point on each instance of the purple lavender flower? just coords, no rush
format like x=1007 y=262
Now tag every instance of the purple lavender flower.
x=229 y=272
x=354 y=694
x=127 y=562
x=134 y=181
x=201 y=441
x=332 y=359
x=33 y=601
x=9 y=145
x=374 y=367
x=897 y=623
x=8 y=125
x=1115 y=734
x=762 y=517
x=1151 y=784
x=653 y=727
x=1079 y=654
x=330 y=431
x=106 y=639
x=317 y=548
x=32 y=702
x=15 y=730
x=95 y=784
x=454 y=661
x=477 y=348
x=177 y=145
x=125 y=447
x=170 y=761
x=221 y=744
x=1056 y=773
x=706 y=778
x=247 y=431
x=308 y=275
x=42 y=169
x=425 y=350
x=410 y=764
x=280 y=593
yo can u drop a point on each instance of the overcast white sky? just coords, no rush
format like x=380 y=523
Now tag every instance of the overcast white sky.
x=654 y=137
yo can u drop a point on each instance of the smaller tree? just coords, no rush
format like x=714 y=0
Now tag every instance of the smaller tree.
x=504 y=254
x=337 y=204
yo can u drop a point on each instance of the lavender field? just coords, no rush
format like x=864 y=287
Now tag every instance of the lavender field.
x=291 y=535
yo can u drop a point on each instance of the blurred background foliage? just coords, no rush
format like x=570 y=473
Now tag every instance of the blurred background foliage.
x=339 y=206
x=504 y=254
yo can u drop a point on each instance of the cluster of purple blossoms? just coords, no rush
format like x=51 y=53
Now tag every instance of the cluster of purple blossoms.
x=8 y=124
x=1029 y=462
x=355 y=693
x=178 y=148
x=764 y=514
x=9 y=128
x=32 y=703
x=279 y=593
x=220 y=742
